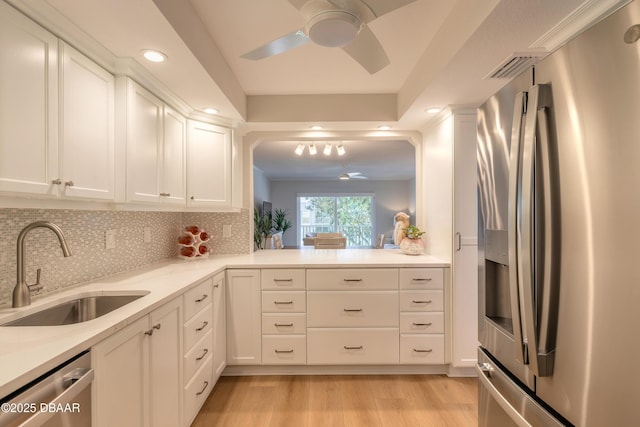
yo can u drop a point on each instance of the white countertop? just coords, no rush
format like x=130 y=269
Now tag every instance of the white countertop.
x=27 y=352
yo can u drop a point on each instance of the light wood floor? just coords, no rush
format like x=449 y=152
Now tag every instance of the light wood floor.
x=345 y=400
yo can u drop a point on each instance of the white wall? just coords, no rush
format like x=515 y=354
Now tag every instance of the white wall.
x=261 y=189
x=437 y=161
x=390 y=196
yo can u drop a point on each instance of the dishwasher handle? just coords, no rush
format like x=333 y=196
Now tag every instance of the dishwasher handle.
x=73 y=384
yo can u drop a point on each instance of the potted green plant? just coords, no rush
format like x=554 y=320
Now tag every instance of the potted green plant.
x=262 y=226
x=280 y=221
x=412 y=243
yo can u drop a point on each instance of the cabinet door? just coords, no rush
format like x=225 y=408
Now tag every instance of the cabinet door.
x=244 y=329
x=465 y=307
x=144 y=144
x=28 y=105
x=208 y=165
x=87 y=127
x=219 y=327
x=165 y=364
x=119 y=389
x=173 y=157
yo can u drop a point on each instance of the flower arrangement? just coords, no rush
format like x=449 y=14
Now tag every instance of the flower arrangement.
x=412 y=232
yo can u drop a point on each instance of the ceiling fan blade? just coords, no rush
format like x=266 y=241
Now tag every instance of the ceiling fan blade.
x=382 y=7
x=277 y=46
x=367 y=51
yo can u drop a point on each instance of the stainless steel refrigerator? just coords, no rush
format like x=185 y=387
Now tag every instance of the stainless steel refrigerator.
x=559 y=236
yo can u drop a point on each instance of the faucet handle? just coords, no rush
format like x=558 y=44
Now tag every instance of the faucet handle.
x=36 y=287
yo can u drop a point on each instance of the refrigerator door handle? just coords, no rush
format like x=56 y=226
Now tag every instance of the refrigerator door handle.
x=537 y=278
x=514 y=224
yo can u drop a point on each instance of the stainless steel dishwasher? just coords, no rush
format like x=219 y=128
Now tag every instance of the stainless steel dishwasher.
x=59 y=398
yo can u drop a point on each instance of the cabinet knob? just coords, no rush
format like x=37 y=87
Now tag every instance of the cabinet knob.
x=57 y=181
x=157 y=326
x=68 y=184
x=192 y=197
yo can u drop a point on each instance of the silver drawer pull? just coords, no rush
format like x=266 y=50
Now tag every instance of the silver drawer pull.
x=56 y=181
x=283 y=351
x=282 y=324
x=422 y=279
x=283 y=302
x=165 y=194
x=353 y=347
x=69 y=184
x=202 y=298
x=217 y=285
x=206 y=384
x=349 y=310
x=204 y=325
x=419 y=350
x=282 y=280
x=204 y=353
x=421 y=324
x=157 y=326
x=352 y=280
x=421 y=302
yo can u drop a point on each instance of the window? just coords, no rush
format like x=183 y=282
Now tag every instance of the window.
x=351 y=215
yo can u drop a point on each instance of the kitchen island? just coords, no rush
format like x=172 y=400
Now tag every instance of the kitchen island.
x=28 y=352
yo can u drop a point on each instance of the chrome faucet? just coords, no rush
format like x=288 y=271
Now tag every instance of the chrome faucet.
x=22 y=291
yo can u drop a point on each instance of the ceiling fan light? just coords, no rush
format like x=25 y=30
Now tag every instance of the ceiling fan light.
x=313 y=150
x=340 y=150
x=344 y=177
x=333 y=28
x=327 y=150
x=299 y=149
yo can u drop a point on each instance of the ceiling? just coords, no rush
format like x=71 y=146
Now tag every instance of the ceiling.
x=376 y=160
x=440 y=53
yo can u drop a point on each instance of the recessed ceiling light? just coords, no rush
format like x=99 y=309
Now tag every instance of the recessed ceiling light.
x=384 y=127
x=154 y=55
x=433 y=110
x=316 y=127
x=211 y=111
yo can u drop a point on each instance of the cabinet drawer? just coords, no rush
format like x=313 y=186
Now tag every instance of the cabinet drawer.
x=352 y=279
x=421 y=300
x=197 y=390
x=283 y=279
x=197 y=298
x=352 y=309
x=284 y=323
x=422 y=349
x=283 y=302
x=421 y=278
x=353 y=346
x=197 y=327
x=422 y=323
x=197 y=356
x=284 y=350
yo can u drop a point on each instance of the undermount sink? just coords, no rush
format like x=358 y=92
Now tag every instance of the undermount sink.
x=75 y=311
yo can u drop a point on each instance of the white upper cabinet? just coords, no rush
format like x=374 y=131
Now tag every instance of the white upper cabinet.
x=86 y=167
x=56 y=115
x=28 y=105
x=155 y=148
x=208 y=165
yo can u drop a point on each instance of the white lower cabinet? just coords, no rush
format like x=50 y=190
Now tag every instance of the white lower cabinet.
x=422 y=320
x=219 y=330
x=198 y=347
x=244 y=307
x=352 y=346
x=138 y=372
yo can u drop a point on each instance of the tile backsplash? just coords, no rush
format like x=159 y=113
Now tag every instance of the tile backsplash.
x=85 y=233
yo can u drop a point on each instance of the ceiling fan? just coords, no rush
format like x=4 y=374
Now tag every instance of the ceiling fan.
x=337 y=23
x=351 y=175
